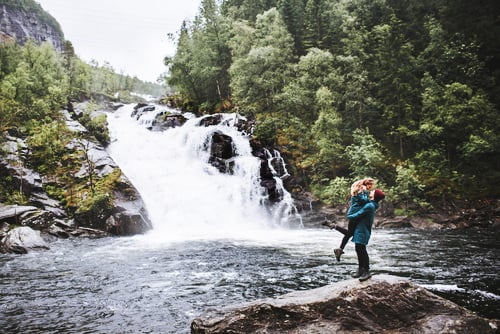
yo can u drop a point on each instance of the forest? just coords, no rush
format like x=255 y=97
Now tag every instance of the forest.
x=405 y=92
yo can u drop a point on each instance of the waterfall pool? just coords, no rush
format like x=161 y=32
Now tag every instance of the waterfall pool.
x=215 y=244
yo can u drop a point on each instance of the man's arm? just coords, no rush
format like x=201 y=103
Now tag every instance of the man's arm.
x=368 y=208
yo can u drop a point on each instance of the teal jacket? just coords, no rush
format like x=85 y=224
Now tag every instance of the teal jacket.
x=358 y=201
x=364 y=219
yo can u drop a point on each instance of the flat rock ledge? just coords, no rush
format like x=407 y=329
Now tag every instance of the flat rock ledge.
x=383 y=304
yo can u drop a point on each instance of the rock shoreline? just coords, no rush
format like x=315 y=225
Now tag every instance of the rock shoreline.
x=122 y=213
x=383 y=304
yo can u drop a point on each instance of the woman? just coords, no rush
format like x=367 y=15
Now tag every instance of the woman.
x=362 y=233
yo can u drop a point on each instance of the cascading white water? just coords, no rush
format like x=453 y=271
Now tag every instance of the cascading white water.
x=186 y=197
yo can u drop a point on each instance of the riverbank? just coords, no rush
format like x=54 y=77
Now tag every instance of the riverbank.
x=464 y=215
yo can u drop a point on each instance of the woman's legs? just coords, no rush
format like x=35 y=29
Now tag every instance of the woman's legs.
x=348 y=233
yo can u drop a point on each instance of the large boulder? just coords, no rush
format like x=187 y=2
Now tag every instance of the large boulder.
x=222 y=152
x=384 y=304
x=21 y=239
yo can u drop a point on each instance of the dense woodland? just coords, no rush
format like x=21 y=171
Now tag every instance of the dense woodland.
x=403 y=91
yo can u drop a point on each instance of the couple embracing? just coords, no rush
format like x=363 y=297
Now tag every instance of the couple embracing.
x=361 y=213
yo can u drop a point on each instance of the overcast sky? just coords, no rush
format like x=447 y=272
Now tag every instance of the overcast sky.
x=129 y=34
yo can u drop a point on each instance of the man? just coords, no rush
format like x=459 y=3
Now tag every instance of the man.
x=362 y=233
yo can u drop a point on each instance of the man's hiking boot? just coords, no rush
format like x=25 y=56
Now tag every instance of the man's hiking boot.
x=365 y=275
x=357 y=274
x=338 y=252
x=330 y=224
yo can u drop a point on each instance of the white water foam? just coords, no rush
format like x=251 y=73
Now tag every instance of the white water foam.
x=187 y=198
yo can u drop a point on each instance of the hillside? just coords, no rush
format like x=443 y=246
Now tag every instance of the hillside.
x=26 y=19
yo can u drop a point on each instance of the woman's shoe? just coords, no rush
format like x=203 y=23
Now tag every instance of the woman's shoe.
x=329 y=223
x=338 y=252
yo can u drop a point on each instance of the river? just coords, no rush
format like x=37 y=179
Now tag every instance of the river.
x=213 y=245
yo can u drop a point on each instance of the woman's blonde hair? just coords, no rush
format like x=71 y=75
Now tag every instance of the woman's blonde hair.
x=357 y=186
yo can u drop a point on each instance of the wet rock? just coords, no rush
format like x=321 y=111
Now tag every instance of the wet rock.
x=222 y=152
x=22 y=239
x=141 y=108
x=129 y=223
x=73 y=125
x=129 y=213
x=384 y=304
x=12 y=213
x=115 y=105
x=12 y=164
x=393 y=222
x=166 y=120
x=41 y=199
x=211 y=120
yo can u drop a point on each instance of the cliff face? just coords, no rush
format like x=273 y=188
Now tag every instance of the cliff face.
x=24 y=24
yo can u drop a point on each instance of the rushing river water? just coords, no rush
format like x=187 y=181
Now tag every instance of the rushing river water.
x=214 y=245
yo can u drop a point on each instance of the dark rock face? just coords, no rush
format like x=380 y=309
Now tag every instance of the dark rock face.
x=384 y=304
x=165 y=121
x=222 y=152
x=22 y=26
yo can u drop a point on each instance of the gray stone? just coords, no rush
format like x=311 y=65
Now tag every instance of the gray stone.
x=383 y=304
x=22 y=26
x=22 y=239
x=13 y=212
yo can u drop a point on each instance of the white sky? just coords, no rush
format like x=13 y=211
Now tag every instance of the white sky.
x=129 y=34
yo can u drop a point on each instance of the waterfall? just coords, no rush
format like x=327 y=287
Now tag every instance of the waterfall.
x=188 y=198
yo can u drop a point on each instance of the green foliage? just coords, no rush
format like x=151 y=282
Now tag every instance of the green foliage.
x=257 y=76
x=408 y=188
x=399 y=91
x=335 y=193
x=47 y=143
x=96 y=123
x=9 y=193
x=94 y=208
x=365 y=155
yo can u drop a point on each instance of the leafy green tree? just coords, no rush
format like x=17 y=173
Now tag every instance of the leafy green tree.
x=246 y=10
x=259 y=76
x=299 y=96
x=408 y=187
x=79 y=78
x=315 y=23
x=366 y=156
x=181 y=67
x=47 y=143
x=212 y=54
x=10 y=54
x=328 y=135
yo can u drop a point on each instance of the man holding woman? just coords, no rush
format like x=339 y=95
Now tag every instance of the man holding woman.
x=362 y=232
x=361 y=215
